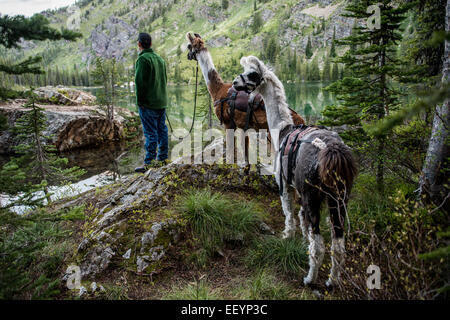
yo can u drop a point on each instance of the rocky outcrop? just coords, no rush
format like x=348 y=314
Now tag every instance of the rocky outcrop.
x=68 y=127
x=129 y=227
x=113 y=38
x=64 y=96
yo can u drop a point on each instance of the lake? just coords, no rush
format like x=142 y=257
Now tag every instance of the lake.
x=306 y=98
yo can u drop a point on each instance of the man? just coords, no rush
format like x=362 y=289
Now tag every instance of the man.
x=151 y=99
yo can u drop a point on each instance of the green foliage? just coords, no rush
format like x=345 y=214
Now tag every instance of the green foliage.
x=257 y=22
x=369 y=92
x=33 y=249
x=266 y=285
x=271 y=48
x=37 y=27
x=107 y=74
x=13 y=29
x=285 y=255
x=198 y=290
x=309 y=49
x=225 y=4
x=216 y=219
x=36 y=164
x=333 y=46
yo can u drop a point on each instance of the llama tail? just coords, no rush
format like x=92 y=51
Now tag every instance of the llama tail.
x=337 y=167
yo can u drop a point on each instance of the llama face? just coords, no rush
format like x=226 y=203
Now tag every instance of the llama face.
x=195 y=45
x=251 y=78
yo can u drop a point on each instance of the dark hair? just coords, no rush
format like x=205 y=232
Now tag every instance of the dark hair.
x=145 y=40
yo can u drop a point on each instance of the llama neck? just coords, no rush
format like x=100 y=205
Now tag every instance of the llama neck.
x=213 y=80
x=277 y=109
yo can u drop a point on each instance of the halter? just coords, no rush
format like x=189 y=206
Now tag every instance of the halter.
x=192 y=55
x=250 y=87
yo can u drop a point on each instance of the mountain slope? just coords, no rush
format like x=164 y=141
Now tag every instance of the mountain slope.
x=110 y=28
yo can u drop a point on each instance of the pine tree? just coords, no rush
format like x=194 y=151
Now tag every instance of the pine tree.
x=333 y=48
x=225 y=4
x=335 y=72
x=314 y=71
x=369 y=94
x=37 y=27
x=326 y=72
x=37 y=165
x=257 y=22
x=308 y=49
x=271 y=48
x=105 y=74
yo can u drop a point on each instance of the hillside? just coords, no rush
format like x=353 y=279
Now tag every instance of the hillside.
x=110 y=29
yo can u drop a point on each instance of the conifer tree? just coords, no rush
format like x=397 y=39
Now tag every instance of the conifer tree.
x=308 y=49
x=368 y=94
x=37 y=27
x=257 y=22
x=333 y=47
x=326 y=72
x=37 y=165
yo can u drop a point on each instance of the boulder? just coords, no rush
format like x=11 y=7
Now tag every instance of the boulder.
x=68 y=127
x=64 y=96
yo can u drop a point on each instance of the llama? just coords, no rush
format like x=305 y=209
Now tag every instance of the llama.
x=219 y=89
x=323 y=168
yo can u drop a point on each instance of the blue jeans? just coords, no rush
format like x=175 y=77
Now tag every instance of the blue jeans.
x=156 y=134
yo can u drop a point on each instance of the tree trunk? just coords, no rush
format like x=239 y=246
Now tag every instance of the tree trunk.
x=434 y=176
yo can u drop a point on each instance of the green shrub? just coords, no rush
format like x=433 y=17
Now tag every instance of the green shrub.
x=33 y=249
x=285 y=255
x=216 y=219
x=265 y=285
x=198 y=290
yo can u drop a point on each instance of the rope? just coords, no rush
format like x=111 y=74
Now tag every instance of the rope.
x=195 y=109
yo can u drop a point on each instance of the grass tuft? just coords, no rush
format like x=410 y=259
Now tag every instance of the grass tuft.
x=198 y=290
x=285 y=255
x=216 y=219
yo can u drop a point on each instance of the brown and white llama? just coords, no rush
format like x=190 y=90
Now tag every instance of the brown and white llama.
x=219 y=90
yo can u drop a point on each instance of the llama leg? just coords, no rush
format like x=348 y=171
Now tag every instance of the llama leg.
x=287 y=202
x=311 y=201
x=303 y=224
x=337 y=218
x=337 y=260
x=316 y=253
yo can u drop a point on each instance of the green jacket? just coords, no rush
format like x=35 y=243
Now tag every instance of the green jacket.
x=150 y=80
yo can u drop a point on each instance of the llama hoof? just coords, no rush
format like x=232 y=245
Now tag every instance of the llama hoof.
x=329 y=283
x=288 y=234
x=307 y=281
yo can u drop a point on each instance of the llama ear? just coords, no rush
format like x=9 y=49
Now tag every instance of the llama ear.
x=197 y=35
x=254 y=60
x=189 y=37
x=243 y=61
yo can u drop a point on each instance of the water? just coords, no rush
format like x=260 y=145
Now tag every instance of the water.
x=307 y=98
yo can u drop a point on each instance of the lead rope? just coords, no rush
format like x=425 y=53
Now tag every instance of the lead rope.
x=195 y=109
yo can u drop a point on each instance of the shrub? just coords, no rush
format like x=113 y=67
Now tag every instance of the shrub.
x=285 y=255
x=33 y=249
x=266 y=285
x=215 y=219
x=198 y=290
x=411 y=230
